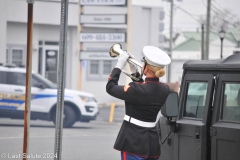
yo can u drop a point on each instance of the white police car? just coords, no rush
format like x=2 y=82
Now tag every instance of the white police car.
x=78 y=105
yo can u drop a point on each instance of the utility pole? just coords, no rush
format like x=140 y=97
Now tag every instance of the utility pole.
x=202 y=43
x=206 y=55
x=170 y=39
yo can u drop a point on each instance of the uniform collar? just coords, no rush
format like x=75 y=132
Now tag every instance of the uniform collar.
x=152 y=79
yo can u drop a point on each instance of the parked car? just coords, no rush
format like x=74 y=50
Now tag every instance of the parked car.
x=78 y=105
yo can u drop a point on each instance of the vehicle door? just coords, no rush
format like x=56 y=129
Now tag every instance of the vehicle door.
x=18 y=90
x=4 y=94
x=225 y=129
x=195 y=103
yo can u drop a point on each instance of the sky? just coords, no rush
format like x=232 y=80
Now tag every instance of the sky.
x=182 y=21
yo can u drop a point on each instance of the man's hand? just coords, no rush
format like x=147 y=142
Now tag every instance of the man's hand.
x=122 y=60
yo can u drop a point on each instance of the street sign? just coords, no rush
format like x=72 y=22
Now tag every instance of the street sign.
x=102 y=37
x=85 y=55
x=103 y=19
x=102 y=2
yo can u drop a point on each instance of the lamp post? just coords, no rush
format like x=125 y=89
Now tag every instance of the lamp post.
x=222 y=35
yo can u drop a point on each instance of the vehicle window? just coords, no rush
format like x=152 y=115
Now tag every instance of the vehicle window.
x=17 y=78
x=35 y=82
x=37 y=78
x=3 y=77
x=196 y=98
x=20 y=79
x=231 y=102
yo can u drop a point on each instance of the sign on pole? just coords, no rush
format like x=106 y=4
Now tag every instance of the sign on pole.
x=102 y=37
x=102 y=2
x=103 y=19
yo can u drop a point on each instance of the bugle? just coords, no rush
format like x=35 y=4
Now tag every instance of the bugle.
x=116 y=50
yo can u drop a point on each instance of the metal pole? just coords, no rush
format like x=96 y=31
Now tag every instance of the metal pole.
x=61 y=80
x=202 y=55
x=170 y=40
x=28 y=80
x=111 y=112
x=221 y=47
x=208 y=29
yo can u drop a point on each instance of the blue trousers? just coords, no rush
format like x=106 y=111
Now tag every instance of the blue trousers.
x=126 y=156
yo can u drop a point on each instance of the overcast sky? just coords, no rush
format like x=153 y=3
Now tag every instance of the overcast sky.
x=183 y=21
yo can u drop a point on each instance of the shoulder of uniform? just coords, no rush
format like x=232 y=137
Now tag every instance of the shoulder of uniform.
x=136 y=83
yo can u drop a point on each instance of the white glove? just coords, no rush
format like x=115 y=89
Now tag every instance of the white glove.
x=133 y=68
x=122 y=60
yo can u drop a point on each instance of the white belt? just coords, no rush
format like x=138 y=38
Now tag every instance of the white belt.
x=142 y=123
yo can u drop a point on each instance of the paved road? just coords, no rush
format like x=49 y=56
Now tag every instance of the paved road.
x=85 y=141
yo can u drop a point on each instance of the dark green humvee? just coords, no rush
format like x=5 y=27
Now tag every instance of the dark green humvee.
x=207 y=124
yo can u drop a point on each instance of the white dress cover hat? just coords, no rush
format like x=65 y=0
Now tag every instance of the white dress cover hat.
x=155 y=56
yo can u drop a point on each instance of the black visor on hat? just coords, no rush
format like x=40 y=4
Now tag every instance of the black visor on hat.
x=143 y=59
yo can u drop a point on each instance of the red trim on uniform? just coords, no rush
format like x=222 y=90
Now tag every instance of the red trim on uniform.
x=163 y=84
x=157 y=83
x=136 y=154
x=125 y=88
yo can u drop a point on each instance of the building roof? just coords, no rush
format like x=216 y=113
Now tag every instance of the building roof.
x=229 y=63
x=189 y=45
x=193 y=42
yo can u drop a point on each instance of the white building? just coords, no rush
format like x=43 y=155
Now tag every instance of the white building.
x=88 y=62
x=46 y=35
x=141 y=26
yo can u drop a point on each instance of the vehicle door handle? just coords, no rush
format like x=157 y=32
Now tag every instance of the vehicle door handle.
x=18 y=90
x=197 y=133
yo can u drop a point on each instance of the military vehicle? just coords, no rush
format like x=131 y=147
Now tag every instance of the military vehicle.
x=203 y=123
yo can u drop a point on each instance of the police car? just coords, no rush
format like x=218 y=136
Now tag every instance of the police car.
x=78 y=105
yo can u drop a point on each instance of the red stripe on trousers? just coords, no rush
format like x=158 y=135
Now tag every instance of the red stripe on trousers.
x=124 y=156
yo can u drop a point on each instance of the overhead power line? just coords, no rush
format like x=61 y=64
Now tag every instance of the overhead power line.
x=191 y=15
x=225 y=17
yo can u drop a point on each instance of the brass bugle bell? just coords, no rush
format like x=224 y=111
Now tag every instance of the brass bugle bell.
x=116 y=50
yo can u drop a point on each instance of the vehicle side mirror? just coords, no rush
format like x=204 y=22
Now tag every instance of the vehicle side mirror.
x=170 y=108
x=40 y=85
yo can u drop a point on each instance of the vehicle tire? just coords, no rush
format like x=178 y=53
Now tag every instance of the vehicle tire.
x=69 y=117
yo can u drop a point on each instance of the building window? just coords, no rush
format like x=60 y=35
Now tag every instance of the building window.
x=15 y=54
x=94 y=67
x=107 y=67
x=99 y=69
x=7 y=61
x=40 y=60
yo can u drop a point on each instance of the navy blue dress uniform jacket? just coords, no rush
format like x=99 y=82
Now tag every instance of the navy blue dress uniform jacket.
x=143 y=101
